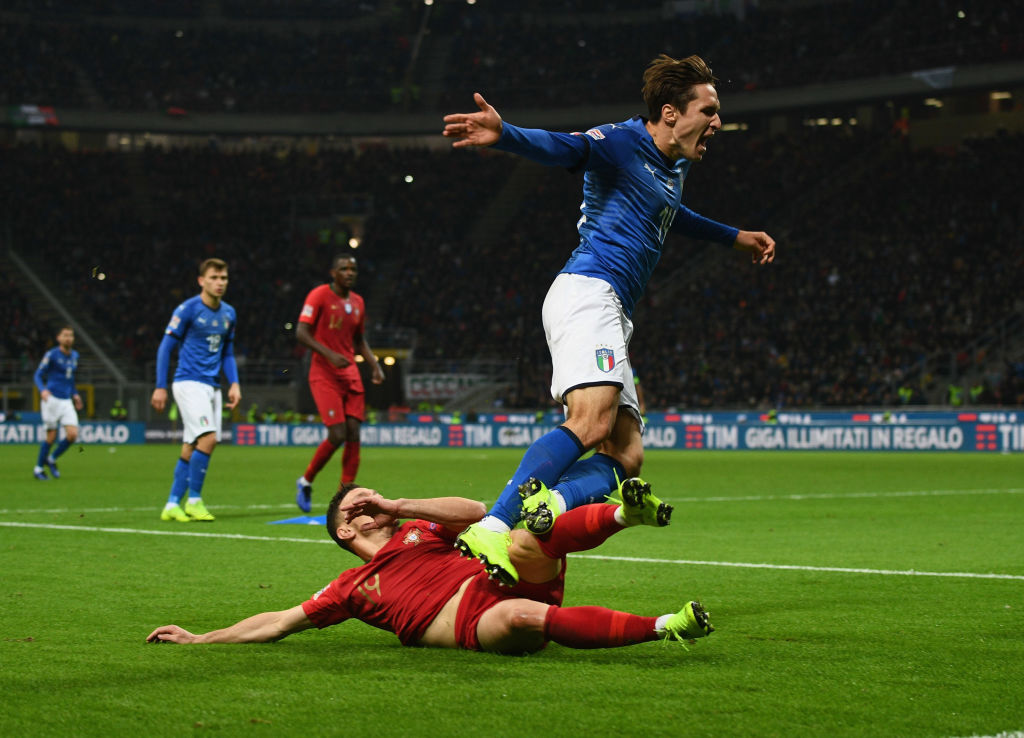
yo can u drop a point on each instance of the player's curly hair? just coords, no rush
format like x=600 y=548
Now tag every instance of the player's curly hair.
x=673 y=81
x=334 y=513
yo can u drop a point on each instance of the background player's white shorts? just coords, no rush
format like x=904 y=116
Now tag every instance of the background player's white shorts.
x=200 y=406
x=588 y=336
x=58 y=413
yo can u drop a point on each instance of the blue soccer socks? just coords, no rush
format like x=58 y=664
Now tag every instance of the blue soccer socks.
x=197 y=472
x=546 y=459
x=180 y=484
x=589 y=480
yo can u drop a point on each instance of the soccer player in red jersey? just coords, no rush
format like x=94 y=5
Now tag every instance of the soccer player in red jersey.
x=332 y=325
x=415 y=584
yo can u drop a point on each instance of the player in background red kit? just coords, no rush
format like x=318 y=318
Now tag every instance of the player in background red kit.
x=332 y=325
x=414 y=584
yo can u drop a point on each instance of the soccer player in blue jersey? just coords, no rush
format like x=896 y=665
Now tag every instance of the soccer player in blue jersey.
x=59 y=401
x=203 y=329
x=633 y=175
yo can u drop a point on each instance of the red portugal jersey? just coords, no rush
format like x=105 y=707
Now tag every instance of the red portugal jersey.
x=336 y=321
x=402 y=588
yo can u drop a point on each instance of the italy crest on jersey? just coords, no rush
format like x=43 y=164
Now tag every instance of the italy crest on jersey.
x=605 y=359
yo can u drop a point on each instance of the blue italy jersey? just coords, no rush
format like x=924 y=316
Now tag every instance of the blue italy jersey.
x=631 y=195
x=56 y=373
x=206 y=337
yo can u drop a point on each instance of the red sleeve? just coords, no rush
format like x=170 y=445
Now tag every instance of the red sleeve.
x=328 y=606
x=446 y=534
x=360 y=327
x=311 y=307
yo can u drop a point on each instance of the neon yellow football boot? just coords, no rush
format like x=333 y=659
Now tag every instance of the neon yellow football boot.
x=689 y=623
x=640 y=506
x=491 y=548
x=175 y=514
x=197 y=511
x=539 y=506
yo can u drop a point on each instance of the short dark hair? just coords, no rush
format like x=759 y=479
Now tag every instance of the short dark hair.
x=208 y=264
x=673 y=81
x=345 y=257
x=334 y=513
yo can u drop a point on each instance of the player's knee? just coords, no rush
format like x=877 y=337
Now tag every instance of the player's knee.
x=336 y=434
x=71 y=434
x=593 y=431
x=526 y=628
x=526 y=620
x=632 y=460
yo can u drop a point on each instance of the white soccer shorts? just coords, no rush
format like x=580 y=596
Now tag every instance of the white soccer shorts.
x=200 y=406
x=57 y=413
x=588 y=336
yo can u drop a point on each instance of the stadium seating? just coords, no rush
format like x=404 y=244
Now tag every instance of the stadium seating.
x=889 y=267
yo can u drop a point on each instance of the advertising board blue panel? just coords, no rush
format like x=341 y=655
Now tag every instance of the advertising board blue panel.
x=998 y=432
x=88 y=432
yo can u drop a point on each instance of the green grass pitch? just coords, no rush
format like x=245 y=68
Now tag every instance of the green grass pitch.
x=849 y=592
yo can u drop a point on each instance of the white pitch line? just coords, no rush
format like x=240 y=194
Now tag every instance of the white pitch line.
x=745 y=498
x=634 y=559
x=795 y=567
x=189 y=533
x=148 y=508
x=852 y=495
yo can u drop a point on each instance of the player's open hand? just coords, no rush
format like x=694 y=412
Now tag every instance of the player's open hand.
x=758 y=244
x=474 y=129
x=370 y=503
x=170 y=634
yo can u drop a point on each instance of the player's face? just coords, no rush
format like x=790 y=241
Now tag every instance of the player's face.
x=385 y=527
x=693 y=128
x=214 y=283
x=66 y=339
x=344 y=273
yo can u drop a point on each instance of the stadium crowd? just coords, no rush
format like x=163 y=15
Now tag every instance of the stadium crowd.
x=888 y=270
x=880 y=268
x=372 y=57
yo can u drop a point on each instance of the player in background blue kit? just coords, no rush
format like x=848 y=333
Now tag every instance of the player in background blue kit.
x=203 y=329
x=633 y=175
x=59 y=400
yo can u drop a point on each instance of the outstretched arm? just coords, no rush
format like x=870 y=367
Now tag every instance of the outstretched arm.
x=451 y=512
x=262 y=628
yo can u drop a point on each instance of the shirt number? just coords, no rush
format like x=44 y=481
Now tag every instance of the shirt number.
x=214 y=341
x=370 y=585
x=667 y=216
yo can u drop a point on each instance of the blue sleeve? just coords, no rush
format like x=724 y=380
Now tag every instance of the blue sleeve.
x=180 y=319
x=74 y=375
x=163 y=359
x=40 y=375
x=228 y=362
x=544 y=147
x=697 y=226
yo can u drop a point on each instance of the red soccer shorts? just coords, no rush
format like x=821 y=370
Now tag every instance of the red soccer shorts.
x=340 y=398
x=482 y=594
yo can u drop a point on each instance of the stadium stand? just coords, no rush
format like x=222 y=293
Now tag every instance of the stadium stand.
x=890 y=269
